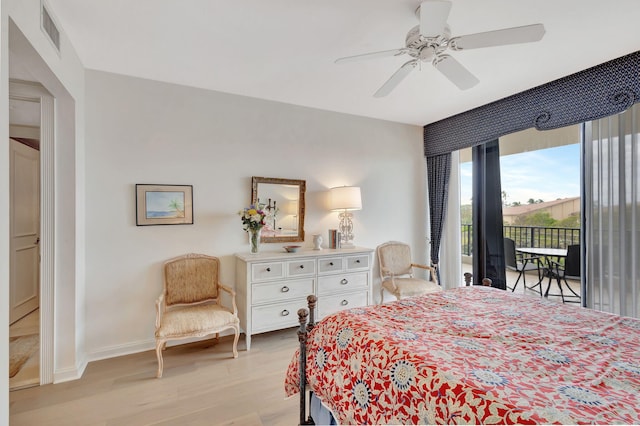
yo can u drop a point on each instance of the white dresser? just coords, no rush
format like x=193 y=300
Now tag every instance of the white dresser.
x=272 y=286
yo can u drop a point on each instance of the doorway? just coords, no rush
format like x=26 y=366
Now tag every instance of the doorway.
x=540 y=191
x=24 y=242
x=38 y=127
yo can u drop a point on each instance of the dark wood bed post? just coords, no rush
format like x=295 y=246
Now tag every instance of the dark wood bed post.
x=303 y=330
x=311 y=302
x=302 y=339
x=467 y=278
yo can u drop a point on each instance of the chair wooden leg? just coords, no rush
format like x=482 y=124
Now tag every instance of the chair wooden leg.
x=160 y=345
x=235 y=342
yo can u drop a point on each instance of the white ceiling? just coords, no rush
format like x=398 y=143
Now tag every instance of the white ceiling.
x=284 y=50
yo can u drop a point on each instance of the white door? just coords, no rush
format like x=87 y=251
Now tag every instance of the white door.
x=24 y=288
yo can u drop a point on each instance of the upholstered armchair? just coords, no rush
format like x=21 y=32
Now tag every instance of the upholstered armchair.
x=396 y=272
x=190 y=304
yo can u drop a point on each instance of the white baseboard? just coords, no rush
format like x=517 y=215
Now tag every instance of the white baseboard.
x=68 y=374
x=121 y=350
x=141 y=346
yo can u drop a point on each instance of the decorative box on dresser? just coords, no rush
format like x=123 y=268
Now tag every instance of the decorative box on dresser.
x=272 y=286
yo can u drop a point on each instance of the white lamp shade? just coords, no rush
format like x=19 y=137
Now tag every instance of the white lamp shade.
x=345 y=198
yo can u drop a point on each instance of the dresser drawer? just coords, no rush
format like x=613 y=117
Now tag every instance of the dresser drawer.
x=327 y=265
x=281 y=291
x=330 y=304
x=267 y=271
x=355 y=263
x=302 y=267
x=276 y=316
x=343 y=282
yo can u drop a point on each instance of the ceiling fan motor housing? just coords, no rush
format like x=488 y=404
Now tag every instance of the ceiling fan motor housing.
x=426 y=48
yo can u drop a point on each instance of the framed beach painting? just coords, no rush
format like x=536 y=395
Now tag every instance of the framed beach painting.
x=164 y=204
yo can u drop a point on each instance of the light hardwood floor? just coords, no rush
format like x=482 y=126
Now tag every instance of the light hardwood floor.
x=202 y=385
x=29 y=374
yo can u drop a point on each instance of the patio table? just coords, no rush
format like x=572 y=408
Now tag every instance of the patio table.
x=547 y=254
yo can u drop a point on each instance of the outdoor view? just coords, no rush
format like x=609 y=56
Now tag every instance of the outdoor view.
x=541 y=197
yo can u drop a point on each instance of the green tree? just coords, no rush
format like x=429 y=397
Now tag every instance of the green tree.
x=536 y=219
x=465 y=214
x=572 y=221
x=177 y=206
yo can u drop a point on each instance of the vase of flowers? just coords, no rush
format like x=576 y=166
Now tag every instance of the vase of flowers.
x=253 y=219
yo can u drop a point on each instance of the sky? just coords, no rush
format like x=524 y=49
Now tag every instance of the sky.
x=546 y=174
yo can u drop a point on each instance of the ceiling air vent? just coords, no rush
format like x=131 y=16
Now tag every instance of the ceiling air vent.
x=50 y=28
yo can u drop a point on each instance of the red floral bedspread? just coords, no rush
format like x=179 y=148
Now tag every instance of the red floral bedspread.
x=474 y=355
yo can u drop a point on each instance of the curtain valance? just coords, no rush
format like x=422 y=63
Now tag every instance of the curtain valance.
x=594 y=93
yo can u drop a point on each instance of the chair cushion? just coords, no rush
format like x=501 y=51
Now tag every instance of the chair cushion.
x=198 y=320
x=406 y=287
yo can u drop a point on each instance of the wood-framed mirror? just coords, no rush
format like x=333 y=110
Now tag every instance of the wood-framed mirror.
x=286 y=198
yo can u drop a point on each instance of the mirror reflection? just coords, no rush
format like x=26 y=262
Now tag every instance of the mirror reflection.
x=284 y=200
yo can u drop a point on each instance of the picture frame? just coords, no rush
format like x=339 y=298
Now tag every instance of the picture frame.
x=164 y=204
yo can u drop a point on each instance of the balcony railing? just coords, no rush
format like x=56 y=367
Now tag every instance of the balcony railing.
x=528 y=236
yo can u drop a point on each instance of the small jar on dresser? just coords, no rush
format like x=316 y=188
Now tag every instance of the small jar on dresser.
x=272 y=286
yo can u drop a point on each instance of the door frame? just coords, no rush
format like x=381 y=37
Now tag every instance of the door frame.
x=35 y=92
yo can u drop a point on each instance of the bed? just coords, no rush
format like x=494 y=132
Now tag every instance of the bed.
x=471 y=355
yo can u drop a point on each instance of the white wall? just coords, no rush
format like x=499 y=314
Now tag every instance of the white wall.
x=141 y=131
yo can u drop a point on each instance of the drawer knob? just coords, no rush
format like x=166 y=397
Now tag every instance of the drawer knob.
x=330 y=263
x=284 y=289
x=344 y=302
x=344 y=281
x=301 y=266
x=284 y=313
x=268 y=269
x=358 y=261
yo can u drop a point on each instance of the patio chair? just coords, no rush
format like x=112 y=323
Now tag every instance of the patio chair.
x=570 y=270
x=396 y=272
x=190 y=304
x=517 y=262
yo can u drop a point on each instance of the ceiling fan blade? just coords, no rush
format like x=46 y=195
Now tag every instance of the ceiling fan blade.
x=515 y=35
x=454 y=71
x=372 y=55
x=433 y=17
x=396 y=78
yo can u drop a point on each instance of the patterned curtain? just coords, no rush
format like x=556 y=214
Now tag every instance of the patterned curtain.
x=438 y=172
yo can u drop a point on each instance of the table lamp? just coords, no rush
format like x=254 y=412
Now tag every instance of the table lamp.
x=345 y=199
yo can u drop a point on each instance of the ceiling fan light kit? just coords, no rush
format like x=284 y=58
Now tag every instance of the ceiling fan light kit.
x=428 y=42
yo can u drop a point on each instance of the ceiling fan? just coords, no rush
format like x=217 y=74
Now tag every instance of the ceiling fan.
x=432 y=38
